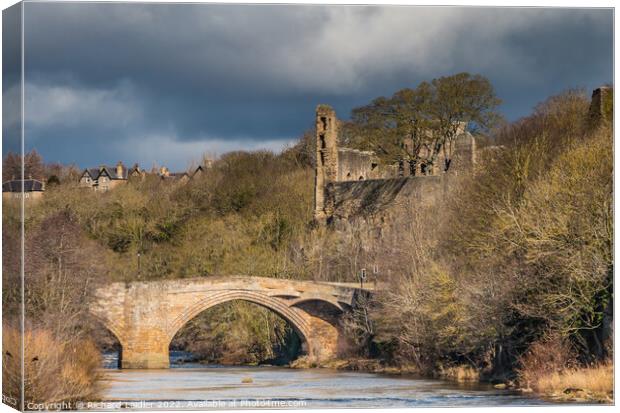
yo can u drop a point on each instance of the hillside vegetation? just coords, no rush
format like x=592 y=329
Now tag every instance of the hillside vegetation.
x=514 y=264
x=512 y=274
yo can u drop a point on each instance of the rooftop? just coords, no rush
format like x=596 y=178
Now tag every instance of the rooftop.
x=30 y=185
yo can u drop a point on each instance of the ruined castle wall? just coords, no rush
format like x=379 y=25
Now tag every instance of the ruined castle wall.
x=464 y=158
x=352 y=184
x=326 y=157
x=376 y=200
x=601 y=106
x=355 y=165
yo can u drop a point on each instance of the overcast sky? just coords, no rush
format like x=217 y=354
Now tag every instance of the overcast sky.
x=157 y=83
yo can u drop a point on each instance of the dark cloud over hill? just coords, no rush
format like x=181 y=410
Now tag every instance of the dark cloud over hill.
x=165 y=82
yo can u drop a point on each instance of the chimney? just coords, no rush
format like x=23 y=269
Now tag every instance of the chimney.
x=119 y=169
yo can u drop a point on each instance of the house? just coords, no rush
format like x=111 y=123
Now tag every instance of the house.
x=32 y=189
x=135 y=173
x=198 y=172
x=177 y=177
x=104 y=178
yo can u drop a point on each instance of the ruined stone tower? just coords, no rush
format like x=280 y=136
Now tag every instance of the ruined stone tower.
x=326 y=157
x=601 y=106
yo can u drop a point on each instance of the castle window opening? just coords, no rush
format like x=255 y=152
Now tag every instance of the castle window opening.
x=373 y=166
x=322 y=138
x=324 y=122
x=361 y=178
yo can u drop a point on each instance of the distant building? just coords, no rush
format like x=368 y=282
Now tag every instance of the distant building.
x=136 y=173
x=198 y=172
x=32 y=189
x=178 y=177
x=104 y=178
x=181 y=177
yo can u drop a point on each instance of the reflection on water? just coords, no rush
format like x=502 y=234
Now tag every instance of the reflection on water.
x=192 y=385
x=177 y=359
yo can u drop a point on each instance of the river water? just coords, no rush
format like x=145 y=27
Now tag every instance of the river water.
x=196 y=386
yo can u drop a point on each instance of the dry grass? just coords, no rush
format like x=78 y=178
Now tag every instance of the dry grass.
x=55 y=371
x=460 y=373
x=549 y=368
x=11 y=366
x=592 y=383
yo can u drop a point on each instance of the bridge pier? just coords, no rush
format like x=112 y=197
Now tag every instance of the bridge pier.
x=325 y=339
x=146 y=349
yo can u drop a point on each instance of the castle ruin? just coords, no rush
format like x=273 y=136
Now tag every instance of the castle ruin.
x=350 y=182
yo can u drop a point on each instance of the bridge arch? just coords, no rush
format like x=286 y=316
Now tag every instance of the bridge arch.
x=292 y=315
x=145 y=316
x=111 y=325
x=107 y=335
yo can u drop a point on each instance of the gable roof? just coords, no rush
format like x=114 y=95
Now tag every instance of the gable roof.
x=198 y=169
x=30 y=185
x=135 y=169
x=175 y=176
x=110 y=171
x=92 y=172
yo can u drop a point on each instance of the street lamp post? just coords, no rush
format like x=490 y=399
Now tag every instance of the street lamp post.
x=362 y=276
x=375 y=273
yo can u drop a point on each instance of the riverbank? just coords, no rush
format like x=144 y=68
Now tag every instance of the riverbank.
x=584 y=385
x=355 y=364
x=587 y=385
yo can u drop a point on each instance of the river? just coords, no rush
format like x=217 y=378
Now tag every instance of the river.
x=196 y=386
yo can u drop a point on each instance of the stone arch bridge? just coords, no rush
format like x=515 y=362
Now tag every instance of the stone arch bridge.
x=145 y=316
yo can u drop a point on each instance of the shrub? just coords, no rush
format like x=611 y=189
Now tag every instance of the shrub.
x=55 y=370
x=545 y=357
x=548 y=367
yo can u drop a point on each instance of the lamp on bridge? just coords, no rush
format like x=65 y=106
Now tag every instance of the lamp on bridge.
x=362 y=277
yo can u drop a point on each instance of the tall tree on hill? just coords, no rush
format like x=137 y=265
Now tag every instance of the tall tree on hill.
x=11 y=167
x=460 y=98
x=33 y=166
x=395 y=127
x=422 y=123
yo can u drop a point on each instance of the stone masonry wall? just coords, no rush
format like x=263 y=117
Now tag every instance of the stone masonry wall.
x=375 y=200
x=355 y=165
x=352 y=184
x=145 y=316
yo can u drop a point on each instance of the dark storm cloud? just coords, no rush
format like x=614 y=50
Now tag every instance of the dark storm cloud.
x=104 y=80
x=11 y=75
